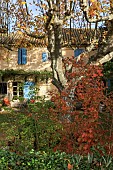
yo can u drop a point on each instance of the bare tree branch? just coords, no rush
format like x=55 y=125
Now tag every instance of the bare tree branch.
x=34 y=35
x=50 y=4
x=104 y=59
x=85 y=9
x=57 y=3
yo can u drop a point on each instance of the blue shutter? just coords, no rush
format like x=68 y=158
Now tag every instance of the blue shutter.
x=24 y=55
x=19 y=56
x=29 y=90
x=77 y=52
x=44 y=57
x=109 y=83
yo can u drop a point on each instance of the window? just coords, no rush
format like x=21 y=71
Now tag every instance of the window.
x=44 y=56
x=77 y=52
x=17 y=89
x=22 y=56
x=3 y=88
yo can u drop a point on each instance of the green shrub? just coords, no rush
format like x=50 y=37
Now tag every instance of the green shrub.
x=34 y=128
x=53 y=161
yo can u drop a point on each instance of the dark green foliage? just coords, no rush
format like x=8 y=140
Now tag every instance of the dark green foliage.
x=32 y=127
x=53 y=161
x=108 y=69
x=40 y=75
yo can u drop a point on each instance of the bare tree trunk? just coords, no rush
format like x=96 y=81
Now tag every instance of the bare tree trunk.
x=55 y=49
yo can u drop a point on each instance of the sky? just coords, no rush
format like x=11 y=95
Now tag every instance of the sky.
x=32 y=7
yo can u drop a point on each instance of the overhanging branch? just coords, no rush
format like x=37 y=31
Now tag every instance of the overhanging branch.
x=85 y=9
x=34 y=35
x=98 y=19
x=104 y=59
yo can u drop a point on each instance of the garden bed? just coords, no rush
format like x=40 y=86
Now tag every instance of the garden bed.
x=53 y=161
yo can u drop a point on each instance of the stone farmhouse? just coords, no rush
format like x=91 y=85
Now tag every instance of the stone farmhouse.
x=24 y=69
x=27 y=67
x=25 y=61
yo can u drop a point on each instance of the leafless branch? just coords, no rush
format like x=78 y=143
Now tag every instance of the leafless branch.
x=85 y=9
x=104 y=59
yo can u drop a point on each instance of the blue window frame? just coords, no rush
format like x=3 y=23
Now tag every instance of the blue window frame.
x=77 y=52
x=109 y=83
x=44 y=56
x=22 y=56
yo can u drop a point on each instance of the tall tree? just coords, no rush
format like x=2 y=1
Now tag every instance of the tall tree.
x=53 y=15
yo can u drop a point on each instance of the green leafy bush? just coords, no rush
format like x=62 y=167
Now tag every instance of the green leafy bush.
x=53 y=161
x=33 y=127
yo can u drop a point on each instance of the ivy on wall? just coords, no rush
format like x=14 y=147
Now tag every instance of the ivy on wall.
x=39 y=75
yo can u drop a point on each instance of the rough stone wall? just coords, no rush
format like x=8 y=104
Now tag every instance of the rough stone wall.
x=34 y=59
x=34 y=63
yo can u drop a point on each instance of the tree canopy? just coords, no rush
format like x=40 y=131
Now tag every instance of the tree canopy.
x=47 y=18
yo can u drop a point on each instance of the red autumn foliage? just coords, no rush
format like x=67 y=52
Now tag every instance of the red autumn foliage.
x=78 y=110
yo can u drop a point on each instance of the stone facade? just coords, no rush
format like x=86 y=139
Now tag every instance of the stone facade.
x=9 y=60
